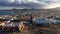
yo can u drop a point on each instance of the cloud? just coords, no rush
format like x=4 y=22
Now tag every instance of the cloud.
x=38 y=4
x=50 y=3
x=47 y=3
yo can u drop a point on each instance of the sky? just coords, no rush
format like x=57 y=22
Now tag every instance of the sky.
x=36 y=4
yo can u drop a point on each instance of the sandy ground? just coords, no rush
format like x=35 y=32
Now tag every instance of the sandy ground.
x=52 y=29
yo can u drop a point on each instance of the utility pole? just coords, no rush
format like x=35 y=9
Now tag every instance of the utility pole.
x=31 y=18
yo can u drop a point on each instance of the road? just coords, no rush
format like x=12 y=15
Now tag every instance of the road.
x=26 y=31
x=52 y=29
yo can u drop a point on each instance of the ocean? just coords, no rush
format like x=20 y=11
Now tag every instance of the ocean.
x=10 y=12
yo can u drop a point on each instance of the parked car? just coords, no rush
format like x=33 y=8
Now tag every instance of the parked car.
x=10 y=27
x=42 y=21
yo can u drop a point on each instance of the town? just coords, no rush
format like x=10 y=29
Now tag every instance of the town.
x=29 y=21
x=10 y=23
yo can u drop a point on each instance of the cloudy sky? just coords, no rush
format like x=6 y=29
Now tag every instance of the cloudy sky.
x=37 y=4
